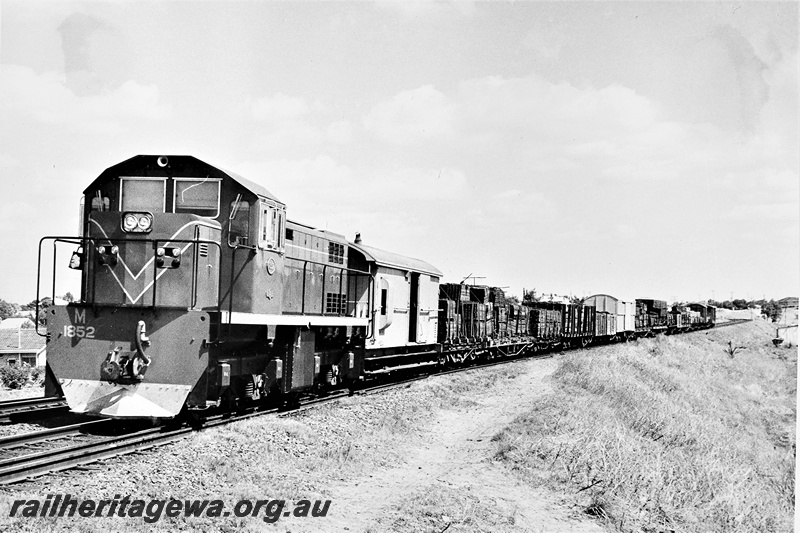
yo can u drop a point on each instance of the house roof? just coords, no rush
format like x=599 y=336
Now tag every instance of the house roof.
x=20 y=340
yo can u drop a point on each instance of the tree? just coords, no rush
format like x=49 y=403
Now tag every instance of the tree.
x=69 y=297
x=771 y=310
x=530 y=296
x=44 y=303
x=7 y=309
x=739 y=303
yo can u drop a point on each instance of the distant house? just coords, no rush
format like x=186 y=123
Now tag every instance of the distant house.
x=790 y=301
x=20 y=344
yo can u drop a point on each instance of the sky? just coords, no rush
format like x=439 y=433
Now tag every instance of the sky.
x=639 y=149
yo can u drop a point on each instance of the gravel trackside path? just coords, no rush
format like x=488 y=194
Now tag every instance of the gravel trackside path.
x=447 y=478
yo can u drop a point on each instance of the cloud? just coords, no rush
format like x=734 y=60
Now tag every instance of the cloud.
x=418 y=184
x=48 y=100
x=530 y=128
x=412 y=116
x=544 y=46
x=500 y=110
x=279 y=107
x=413 y=9
x=340 y=132
x=749 y=68
x=290 y=123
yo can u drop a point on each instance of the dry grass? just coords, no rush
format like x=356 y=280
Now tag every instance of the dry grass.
x=440 y=508
x=668 y=434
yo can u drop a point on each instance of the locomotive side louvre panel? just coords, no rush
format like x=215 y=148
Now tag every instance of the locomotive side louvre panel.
x=317 y=281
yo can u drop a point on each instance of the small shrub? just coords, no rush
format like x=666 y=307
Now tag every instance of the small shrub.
x=14 y=377
x=36 y=372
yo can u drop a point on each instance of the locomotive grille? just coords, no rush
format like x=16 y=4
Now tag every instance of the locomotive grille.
x=335 y=253
x=334 y=303
x=203 y=250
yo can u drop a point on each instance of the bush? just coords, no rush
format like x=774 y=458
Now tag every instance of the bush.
x=36 y=373
x=14 y=377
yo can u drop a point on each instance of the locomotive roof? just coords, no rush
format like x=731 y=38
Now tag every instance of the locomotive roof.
x=384 y=258
x=141 y=164
x=251 y=185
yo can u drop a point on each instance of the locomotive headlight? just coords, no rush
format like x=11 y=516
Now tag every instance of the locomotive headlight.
x=137 y=222
x=129 y=222
x=163 y=253
x=108 y=255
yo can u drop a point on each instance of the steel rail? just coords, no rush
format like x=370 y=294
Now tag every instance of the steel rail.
x=45 y=435
x=27 y=406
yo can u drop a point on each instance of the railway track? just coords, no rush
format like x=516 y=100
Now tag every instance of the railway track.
x=733 y=322
x=93 y=448
x=13 y=410
x=97 y=448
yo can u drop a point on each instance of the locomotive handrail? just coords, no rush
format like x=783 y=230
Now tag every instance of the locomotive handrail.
x=56 y=239
x=306 y=262
x=220 y=339
x=90 y=244
x=342 y=269
x=85 y=242
x=195 y=241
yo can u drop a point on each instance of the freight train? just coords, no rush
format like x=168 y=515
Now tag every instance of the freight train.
x=198 y=292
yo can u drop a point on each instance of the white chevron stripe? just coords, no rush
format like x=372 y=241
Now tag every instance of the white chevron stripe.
x=144 y=268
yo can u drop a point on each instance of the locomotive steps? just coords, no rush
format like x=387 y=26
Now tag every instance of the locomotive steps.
x=494 y=449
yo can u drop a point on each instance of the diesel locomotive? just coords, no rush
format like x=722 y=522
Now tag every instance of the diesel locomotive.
x=197 y=292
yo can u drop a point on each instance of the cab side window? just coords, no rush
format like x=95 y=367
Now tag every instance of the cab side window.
x=240 y=224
